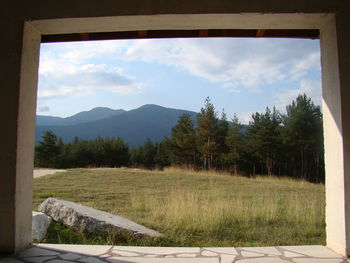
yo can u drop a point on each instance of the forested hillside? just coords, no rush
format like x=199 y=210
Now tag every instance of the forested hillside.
x=134 y=126
x=289 y=144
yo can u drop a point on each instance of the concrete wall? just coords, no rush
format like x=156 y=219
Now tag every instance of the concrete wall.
x=19 y=64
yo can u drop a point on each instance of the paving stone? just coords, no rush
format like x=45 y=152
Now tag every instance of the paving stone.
x=317 y=260
x=70 y=256
x=186 y=255
x=91 y=260
x=288 y=254
x=37 y=251
x=80 y=249
x=59 y=261
x=264 y=250
x=157 y=250
x=222 y=250
x=208 y=253
x=10 y=260
x=262 y=260
x=39 y=259
x=49 y=253
x=227 y=258
x=126 y=253
x=161 y=260
x=247 y=254
x=313 y=251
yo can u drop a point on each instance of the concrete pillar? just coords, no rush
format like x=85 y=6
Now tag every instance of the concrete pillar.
x=18 y=103
x=335 y=56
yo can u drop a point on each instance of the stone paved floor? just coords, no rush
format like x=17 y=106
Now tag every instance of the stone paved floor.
x=53 y=253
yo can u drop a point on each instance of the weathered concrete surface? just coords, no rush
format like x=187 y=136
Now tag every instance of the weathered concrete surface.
x=91 y=220
x=42 y=172
x=58 y=253
x=40 y=224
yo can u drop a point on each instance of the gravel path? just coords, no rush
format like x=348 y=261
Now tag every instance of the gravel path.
x=43 y=172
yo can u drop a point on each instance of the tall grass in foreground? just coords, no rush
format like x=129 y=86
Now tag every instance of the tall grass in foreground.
x=198 y=208
x=212 y=211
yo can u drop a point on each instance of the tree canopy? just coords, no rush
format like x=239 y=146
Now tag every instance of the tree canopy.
x=289 y=144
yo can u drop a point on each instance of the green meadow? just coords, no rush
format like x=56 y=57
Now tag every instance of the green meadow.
x=191 y=208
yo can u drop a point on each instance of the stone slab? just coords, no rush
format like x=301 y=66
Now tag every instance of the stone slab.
x=10 y=260
x=247 y=254
x=317 y=260
x=288 y=254
x=161 y=260
x=91 y=260
x=208 y=253
x=56 y=253
x=263 y=260
x=39 y=259
x=94 y=250
x=37 y=251
x=263 y=250
x=70 y=256
x=40 y=224
x=313 y=251
x=157 y=250
x=186 y=255
x=90 y=220
x=59 y=261
x=227 y=258
x=222 y=250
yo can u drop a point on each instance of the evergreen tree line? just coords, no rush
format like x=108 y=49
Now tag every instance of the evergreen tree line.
x=289 y=144
x=100 y=152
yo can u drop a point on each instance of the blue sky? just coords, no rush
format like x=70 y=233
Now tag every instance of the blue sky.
x=241 y=76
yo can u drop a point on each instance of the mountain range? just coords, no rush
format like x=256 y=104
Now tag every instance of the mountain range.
x=134 y=126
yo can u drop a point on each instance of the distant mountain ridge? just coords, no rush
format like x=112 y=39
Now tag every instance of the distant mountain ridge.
x=84 y=116
x=134 y=126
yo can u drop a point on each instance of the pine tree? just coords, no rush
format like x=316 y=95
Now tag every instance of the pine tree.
x=234 y=143
x=149 y=152
x=207 y=131
x=222 y=130
x=264 y=140
x=304 y=139
x=48 y=150
x=183 y=141
x=162 y=158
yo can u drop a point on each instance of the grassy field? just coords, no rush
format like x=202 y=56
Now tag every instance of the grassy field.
x=192 y=208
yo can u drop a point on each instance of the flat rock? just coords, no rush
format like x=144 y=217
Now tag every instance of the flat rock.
x=40 y=224
x=90 y=220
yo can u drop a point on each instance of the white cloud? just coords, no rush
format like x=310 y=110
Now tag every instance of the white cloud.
x=246 y=117
x=244 y=63
x=59 y=77
x=78 y=52
x=42 y=107
x=311 y=88
x=79 y=69
x=303 y=66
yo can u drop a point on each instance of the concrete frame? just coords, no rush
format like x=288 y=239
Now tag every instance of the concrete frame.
x=17 y=154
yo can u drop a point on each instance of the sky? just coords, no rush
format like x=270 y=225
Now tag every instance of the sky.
x=240 y=75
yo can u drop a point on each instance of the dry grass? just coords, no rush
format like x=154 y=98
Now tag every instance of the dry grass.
x=199 y=208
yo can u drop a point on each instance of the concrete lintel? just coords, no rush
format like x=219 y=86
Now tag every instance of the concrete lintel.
x=181 y=22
